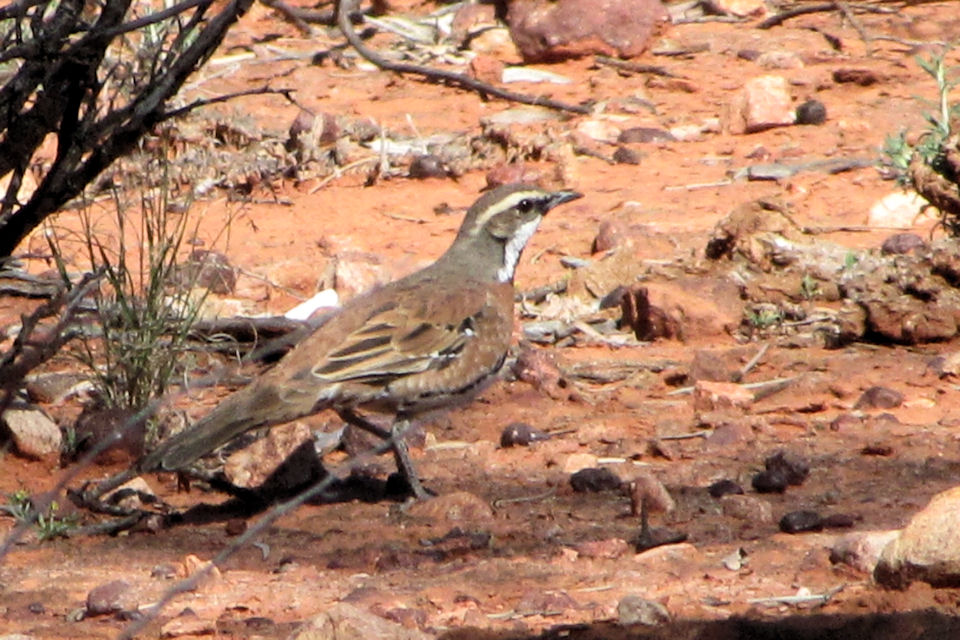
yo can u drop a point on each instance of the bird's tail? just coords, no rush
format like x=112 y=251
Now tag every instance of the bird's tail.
x=241 y=412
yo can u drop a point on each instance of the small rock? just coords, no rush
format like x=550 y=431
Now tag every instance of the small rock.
x=188 y=624
x=901 y=243
x=725 y=433
x=192 y=565
x=718 y=365
x=124 y=430
x=109 y=598
x=738 y=8
x=594 y=480
x=626 y=155
x=486 y=68
x=252 y=466
x=645 y=134
x=878 y=397
x=33 y=433
x=600 y=130
x=407 y=617
x=634 y=609
x=549 y=31
x=514 y=172
x=800 y=521
x=735 y=560
x=763 y=103
x=897 y=209
x=235 y=526
x=456 y=507
x=428 y=166
x=927 y=549
x=846 y=422
x=718 y=396
x=770 y=481
x=724 y=487
x=539 y=368
x=521 y=434
x=610 y=235
x=647 y=321
x=811 y=112
x=779 y=60
x=839 y=521
x=862 y=77
x=747 y=508
x=209 y=270
x=861 y=549
x=54 y=388
x=540 y=601
x=611 y=549
x=795 y=468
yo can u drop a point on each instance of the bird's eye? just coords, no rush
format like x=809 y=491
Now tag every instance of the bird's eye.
x=525 y=205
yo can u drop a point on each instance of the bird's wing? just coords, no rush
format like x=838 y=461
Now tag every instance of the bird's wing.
x=395 y=341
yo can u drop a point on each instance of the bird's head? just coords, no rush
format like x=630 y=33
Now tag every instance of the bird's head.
x=504 y=219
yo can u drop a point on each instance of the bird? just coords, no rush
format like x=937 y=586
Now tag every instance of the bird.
x=430 y=340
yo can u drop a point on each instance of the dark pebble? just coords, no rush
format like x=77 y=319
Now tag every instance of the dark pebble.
x=900 y=243
x=645 y=134
x=839 y=521
x=521 y=434
x=36 y=608
x=770 y=481
x=862 y=77
x=748 y=54
x=724 y=487
x=613 y=298
x=594 y=480
x=879 y=398
x=235 y=526
x=793 y=467
x=883 y=450
x=428 y=166
x=811 y=112
x=800 y=521
x=625 y=155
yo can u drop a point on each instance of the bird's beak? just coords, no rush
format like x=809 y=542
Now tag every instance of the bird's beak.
x=559 y=197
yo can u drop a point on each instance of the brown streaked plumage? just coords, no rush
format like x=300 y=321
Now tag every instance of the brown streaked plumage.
x=430 y=340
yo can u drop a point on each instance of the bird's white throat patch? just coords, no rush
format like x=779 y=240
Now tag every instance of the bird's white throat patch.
x=514 y=247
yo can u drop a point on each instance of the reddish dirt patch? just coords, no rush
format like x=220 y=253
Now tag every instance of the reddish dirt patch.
x=526 y=580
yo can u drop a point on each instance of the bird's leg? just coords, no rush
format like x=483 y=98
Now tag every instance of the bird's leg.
x=397 y=443
x=402 y=456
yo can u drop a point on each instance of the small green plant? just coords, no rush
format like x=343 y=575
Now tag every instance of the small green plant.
x=48 y=525
x=19 y=505
x=764 y=318
x=51 y=526
x=809 y=288
x=850 y=260
x=931 y=164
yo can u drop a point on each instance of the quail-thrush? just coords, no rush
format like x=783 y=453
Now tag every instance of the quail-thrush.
x=432 y=339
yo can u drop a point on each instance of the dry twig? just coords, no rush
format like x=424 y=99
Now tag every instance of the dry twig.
x=345 y=8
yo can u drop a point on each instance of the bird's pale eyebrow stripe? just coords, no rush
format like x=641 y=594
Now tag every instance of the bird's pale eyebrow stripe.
x=502 y=205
